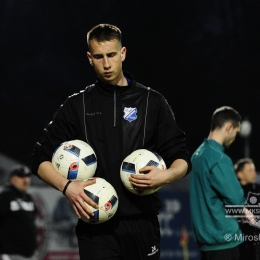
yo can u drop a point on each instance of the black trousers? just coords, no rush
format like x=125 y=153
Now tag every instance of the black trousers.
x=249 y=250
x=125 y=239
x=225 y=254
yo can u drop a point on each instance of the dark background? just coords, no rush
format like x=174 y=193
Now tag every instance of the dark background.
x=199 y=54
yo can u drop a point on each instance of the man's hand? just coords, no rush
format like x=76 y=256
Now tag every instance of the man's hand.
x=75 y=193
x=249 y=216
x=155 y=177
x=149 y=177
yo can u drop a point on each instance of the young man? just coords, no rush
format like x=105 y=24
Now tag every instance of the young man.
x=17 y=217
x=213 y=185
x=99 y=115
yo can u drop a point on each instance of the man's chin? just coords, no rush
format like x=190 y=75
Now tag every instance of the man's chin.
x=226 y=145
x=107 y=80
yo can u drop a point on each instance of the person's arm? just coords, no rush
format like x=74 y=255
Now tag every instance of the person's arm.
x=4 y=204
x=62 y=128
x=170 y=139
x=170 y=144
x=223 y=179
x=74 y=192
x=177 y=170
x=157 y=177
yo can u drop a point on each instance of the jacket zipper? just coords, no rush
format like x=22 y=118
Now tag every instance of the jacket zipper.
x=114 y=107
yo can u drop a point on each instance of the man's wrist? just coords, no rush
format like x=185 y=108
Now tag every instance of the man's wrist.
x=66 y=186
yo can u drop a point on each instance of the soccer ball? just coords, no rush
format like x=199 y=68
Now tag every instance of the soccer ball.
x=75 y=160
x=135 y=161
x=104 y=194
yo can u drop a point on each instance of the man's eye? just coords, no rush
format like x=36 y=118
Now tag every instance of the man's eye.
x=111 y=55
x=98 y=57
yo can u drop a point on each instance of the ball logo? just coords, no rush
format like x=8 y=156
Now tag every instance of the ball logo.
x=67 y=147
x=74 y=166
x=130 y=113
x=57 y=165
x=108 y=206
x=73 y=171
x=72 y=149
x=111 y=203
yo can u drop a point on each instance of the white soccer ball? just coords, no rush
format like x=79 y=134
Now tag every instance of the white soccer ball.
x=75 y=160
x=104 y=194
x=134 y=162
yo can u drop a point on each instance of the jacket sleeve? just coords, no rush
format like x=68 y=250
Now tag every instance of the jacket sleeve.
x=4 y=204
x=61 y=129
x=224 y=182
x=171 y=140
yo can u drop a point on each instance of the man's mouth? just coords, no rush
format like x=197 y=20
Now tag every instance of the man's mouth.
x=108 y=74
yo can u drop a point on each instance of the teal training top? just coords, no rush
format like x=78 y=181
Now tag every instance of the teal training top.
x=213 y=184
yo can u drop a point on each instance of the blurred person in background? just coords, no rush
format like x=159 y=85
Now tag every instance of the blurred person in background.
x=246 y=173
x=64 y=220
x=213 y=186
x=18 y=233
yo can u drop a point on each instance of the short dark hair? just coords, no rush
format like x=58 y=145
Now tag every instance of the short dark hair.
x=225 y=114
x=239 y=165
x=104 y=32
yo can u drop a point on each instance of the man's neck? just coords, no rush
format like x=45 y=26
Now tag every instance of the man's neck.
x=216 y=137
x=121 y=81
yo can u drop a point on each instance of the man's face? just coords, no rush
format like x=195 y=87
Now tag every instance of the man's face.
x=106 y=58
x=21 y=183
x=230 y=138
x=248 y=174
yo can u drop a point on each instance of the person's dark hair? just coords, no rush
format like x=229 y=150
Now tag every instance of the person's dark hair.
x=225 y=114
x=104 y=32
x=239 y=165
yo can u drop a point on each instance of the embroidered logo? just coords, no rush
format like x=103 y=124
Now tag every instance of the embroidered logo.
x=130 y=114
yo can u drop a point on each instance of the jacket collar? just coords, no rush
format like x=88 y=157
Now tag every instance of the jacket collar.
x=108 y=88
x=215 y=144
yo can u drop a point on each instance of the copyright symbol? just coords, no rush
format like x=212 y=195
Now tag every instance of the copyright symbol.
x=228 y=237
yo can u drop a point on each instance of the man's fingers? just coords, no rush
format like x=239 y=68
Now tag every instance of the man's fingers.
x=82 y=210
x=146 y=169
x=76 y=210
x=88 y=201
x=86 y=198
x=90 y=181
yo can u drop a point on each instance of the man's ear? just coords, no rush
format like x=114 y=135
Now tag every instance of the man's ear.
x=239 y=175
x=123 y=53
x=89 y=58
x=228 y=127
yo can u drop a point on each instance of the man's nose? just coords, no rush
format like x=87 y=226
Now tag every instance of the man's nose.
x=106 y=63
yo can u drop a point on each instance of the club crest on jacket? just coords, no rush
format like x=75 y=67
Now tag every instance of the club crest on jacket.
x=130 y=113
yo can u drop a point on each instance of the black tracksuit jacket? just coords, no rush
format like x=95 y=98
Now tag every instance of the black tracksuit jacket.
x=18 y=231
x=96 y=115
